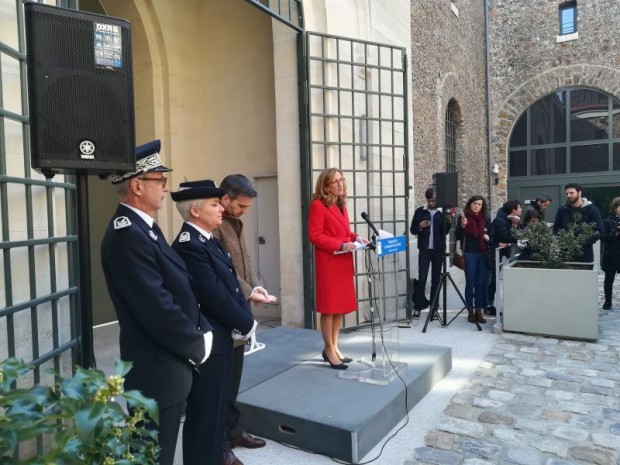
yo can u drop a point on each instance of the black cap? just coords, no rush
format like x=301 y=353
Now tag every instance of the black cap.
x=191 y=190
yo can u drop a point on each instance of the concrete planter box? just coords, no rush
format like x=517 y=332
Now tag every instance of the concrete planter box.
x=560 y=303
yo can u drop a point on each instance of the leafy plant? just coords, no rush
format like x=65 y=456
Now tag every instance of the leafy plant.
x=79 y=416
x=552 y=250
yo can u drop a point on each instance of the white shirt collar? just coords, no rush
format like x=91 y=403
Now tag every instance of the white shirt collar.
x=208 y=235
x=147 y=218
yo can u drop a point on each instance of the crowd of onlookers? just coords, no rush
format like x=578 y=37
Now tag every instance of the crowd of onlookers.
x=479 y=237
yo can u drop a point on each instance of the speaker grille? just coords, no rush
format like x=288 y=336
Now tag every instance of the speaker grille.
x=72 y=99
x=446 y=185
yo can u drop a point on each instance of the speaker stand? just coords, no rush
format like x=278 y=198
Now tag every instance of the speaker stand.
x=433 y=311
x=87 y=359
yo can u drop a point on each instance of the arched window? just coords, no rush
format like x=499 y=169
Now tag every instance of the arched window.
x=453 y=117
x=570 y=131
x=451 y=128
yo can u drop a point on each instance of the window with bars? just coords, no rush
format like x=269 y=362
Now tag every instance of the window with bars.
x=451 y=139
x=568 y=18
x=451 y=126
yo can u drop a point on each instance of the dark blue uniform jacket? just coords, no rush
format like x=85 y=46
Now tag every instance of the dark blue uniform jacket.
x=161 y=327
x=219 y=293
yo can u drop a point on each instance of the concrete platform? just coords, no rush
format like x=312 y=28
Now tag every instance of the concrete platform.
x=290 y=395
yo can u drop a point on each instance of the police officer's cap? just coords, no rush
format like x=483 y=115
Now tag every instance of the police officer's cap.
x=147 y=159
x=191 y=190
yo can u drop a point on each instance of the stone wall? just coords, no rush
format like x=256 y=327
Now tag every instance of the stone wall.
x=448 y=63
x=528 y=62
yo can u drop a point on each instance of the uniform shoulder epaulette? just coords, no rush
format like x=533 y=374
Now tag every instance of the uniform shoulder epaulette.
x=121 y=222
x=184 y=237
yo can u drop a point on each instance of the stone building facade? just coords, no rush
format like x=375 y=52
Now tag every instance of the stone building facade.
x=529 y=60
x=448 y=70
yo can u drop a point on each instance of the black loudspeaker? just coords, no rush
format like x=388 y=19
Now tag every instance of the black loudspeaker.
x=80 y=91
x=446 y=186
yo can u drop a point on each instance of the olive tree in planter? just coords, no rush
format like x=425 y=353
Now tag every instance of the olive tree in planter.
x=550 y=295
x=78 y=420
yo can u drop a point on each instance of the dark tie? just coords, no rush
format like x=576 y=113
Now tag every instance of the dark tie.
x=215 y=243
x=158 y=231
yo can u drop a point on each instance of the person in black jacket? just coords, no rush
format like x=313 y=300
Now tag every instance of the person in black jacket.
x=428 y=225
x=611 y=254
x=224 y=305
x=589 y=214
x=508 y=217
x=539 y=204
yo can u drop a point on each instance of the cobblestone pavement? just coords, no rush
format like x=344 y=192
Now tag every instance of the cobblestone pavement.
x=536 y=400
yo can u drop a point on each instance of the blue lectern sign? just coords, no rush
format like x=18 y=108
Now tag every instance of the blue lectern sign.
x=391 y=245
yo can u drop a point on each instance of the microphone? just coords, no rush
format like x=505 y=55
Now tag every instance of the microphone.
x=367 y=220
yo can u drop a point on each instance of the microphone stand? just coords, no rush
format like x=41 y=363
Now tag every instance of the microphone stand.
x=371 y=297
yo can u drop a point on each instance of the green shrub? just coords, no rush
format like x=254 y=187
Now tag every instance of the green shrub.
x=552 y=250
x=77 y=417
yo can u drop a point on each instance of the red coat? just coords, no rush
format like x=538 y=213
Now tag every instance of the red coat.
x=328 y=229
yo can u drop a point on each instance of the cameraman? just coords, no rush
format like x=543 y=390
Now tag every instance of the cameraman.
x=611 y=254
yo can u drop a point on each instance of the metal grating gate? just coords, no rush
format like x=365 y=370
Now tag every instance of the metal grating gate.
x=39 y=318
x=355 y=101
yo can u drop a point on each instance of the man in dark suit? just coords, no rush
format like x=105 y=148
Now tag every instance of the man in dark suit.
x=223 y=303
x=162 y=331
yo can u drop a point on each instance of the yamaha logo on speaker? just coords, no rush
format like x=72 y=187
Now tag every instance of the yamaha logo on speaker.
x=87 y=150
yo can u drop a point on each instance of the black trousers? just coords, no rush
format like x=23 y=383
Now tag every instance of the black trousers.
x=168 y=431
x=233 y=419
x=433 y=259
x=205 y=415
x=608 y=284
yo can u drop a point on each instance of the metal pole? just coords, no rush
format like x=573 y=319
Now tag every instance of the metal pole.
x=86 y=315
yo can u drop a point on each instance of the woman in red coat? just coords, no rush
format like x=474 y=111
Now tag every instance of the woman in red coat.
x=330 y=231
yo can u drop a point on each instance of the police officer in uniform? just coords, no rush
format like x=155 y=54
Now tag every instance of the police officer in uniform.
x=162 y=331
x=223 y=303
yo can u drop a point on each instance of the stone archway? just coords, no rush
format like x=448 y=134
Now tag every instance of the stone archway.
x=505 y=115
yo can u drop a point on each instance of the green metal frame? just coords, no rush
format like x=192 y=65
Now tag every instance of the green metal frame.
x=42 y=307
x=289 y=12
x=353 y=113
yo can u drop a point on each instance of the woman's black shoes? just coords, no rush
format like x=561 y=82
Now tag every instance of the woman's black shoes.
x=339 y=366
x=346 y=360
x=607 y=305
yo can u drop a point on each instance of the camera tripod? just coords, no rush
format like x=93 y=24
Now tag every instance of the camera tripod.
x=433 y=311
